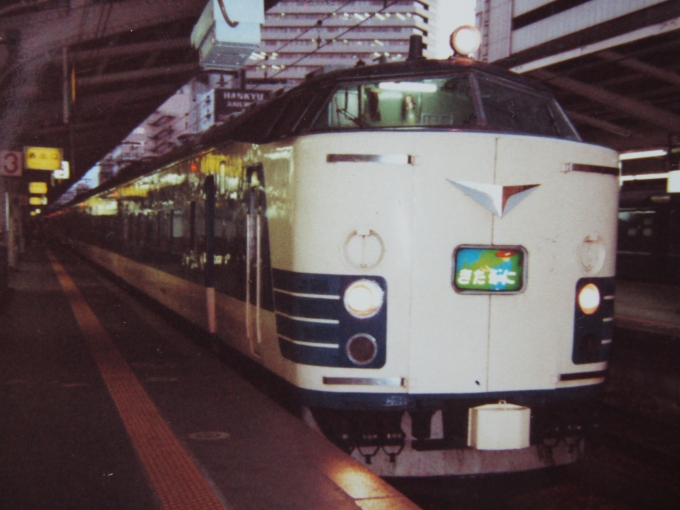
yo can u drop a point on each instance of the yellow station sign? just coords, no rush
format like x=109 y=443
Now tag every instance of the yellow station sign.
x=42 y=158
x=37 y=188
x=37 y=201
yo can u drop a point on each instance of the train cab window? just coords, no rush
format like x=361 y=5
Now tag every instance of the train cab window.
x=508 y=107
x=438 y=102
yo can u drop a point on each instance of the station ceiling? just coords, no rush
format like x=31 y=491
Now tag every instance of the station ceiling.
x=129 y=56
x=125 y=57
x=619 y=81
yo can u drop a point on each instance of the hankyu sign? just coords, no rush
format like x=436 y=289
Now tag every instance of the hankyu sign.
x=228 y=101
x=10 y=164
x=42 y=158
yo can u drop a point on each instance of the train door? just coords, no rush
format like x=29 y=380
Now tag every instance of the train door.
x=255 y=201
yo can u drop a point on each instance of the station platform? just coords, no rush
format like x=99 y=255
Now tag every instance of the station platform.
x=106 y=406
x=647 y=307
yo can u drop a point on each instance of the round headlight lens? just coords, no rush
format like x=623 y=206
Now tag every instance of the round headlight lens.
x=589 y=299
x=364 y=299
x=466 y=40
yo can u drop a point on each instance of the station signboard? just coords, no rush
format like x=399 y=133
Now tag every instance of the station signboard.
x=228 y=101
x=37 y=201
x=42 y=158
x=64 y=172
x=37 y=188
x=10 y=164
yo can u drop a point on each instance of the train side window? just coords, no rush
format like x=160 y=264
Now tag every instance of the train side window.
x=177 y=224
x=192 y=225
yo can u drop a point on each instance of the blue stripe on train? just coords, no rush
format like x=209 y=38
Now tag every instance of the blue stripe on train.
x=309 y=354
x=323 y=302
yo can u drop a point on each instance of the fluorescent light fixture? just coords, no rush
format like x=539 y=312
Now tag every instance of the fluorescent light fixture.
x=643 y=177
x=642 y=154
x=408 y=86
x=673 y=185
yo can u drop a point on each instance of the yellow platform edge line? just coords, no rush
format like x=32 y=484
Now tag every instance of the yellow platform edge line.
x=175 y=478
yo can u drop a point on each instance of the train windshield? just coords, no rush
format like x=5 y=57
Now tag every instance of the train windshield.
x=509 y=108
x=458 y=102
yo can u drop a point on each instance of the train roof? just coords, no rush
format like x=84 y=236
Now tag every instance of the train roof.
x=419 y=67
x=258 y=123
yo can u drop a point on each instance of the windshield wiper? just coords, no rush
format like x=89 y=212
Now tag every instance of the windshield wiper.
x=359 y=122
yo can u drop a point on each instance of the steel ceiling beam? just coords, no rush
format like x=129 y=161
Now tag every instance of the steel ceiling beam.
x=637 y=65
x=137 y=74
x=643 y=111
x=177 y=43
x=44 y=31
x=598 y=123
x=96 y=105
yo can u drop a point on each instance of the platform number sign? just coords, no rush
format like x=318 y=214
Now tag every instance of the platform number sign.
x=10 y=164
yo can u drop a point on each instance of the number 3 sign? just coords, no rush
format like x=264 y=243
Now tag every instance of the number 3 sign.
x=10 y=164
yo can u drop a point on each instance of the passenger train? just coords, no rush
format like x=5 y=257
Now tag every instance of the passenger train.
x=423 y=250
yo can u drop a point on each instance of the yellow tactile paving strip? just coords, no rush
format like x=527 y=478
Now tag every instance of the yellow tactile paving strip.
x=177 y=481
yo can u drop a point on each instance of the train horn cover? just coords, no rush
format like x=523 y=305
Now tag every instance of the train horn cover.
x=466 y=40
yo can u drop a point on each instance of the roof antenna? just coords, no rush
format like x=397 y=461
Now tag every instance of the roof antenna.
x=415 y=47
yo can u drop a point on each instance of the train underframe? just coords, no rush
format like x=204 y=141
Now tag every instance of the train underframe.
x=432 y=439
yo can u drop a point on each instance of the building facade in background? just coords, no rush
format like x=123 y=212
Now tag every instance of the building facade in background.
x=298 y=37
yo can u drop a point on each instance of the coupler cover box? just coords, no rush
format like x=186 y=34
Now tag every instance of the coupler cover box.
x=499 y=426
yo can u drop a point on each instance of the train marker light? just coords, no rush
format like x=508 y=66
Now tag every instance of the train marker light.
x=362 y=349
x=466 y=40
x=364 y=299
x=589 y=299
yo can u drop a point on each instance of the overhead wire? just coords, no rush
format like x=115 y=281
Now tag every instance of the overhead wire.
x=329 y=41
x=316 y=26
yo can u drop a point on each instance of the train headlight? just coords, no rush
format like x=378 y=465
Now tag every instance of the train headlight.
x=466 y=40
x=589 y=299
x=361 y=349
x=364 y=299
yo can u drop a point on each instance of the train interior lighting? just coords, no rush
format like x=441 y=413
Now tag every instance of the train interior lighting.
x=408 y=86
x=364 y=299
x=589 y=299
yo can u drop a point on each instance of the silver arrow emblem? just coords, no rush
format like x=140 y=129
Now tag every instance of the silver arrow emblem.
x=500 y=200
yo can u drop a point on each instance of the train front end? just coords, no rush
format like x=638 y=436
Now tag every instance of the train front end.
x=459 y=241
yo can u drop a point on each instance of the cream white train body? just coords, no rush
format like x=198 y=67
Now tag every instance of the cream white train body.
x=398 y=260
